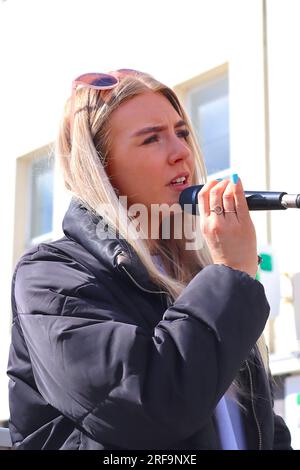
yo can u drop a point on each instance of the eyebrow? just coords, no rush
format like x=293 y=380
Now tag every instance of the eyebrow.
x=151 y=129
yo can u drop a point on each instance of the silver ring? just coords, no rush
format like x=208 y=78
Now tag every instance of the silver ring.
x=217 y=210
x=230 y=211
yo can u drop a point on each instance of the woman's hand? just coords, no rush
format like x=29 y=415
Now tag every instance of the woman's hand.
x=226 y=225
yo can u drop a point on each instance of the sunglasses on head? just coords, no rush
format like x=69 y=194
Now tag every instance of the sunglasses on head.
x=97 y=81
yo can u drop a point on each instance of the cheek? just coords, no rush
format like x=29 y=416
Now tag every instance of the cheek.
x=146 y=170
x=118 y=166
x=118 y=175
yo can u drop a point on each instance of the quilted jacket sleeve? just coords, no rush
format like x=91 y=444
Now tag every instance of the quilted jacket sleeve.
x=282 y=436
x=120 y=383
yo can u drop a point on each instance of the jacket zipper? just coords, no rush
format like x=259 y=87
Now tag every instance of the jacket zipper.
x=253 y=408
x=147 y=290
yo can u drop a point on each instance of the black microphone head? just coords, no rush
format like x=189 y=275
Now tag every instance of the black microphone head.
x=188 y=199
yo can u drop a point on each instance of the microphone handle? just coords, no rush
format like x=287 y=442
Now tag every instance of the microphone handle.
x=264 y=200
x=256 y=200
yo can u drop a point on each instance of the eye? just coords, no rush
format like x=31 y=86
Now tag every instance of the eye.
x=183 y=134
x=152 y=138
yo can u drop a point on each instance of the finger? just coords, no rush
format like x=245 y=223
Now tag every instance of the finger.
x=203 y=197
x=216 y=196
x=229 y=201
x=239 y=198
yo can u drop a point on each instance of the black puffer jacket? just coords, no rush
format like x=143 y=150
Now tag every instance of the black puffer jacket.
x=100 y=359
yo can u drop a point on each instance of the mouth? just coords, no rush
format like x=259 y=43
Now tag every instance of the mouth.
x=180 y=182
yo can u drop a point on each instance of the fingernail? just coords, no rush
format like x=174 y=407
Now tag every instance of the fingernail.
x=219 y=179
x=234 y=178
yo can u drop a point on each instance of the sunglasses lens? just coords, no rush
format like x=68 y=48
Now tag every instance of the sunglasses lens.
x=104 y=80
x=97 y=80
x=127 y=71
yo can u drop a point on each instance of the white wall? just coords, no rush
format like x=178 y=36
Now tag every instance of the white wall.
x=284 y=73
x=7 y=196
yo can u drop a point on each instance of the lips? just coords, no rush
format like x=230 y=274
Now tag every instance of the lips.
x=180 y=175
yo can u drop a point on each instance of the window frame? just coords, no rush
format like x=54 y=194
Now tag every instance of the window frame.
x=22 y=210
x=184 y=91
x=47 y=236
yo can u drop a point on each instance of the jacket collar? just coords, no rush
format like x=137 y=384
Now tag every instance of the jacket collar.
x=91 y=232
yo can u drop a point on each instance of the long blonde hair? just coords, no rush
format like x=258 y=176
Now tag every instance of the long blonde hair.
x=83 y=158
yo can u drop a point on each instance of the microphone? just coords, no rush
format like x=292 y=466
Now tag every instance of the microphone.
x=256 y=200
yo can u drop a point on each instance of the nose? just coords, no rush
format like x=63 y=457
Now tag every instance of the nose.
x=178 y=150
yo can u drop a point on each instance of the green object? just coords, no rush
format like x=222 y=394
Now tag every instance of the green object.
x=298 y=399
x=257 y=277
x=266 y=262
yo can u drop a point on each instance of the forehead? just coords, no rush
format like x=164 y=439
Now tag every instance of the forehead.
x=148 y=108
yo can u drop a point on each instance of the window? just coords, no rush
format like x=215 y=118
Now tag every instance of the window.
x=33 y=199
x=40 y=198
x=208 y=107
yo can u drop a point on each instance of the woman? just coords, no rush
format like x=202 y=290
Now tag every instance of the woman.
x=123 y=340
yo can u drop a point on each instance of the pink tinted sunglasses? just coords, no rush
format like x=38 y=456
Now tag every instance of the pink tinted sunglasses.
x=98 y=81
